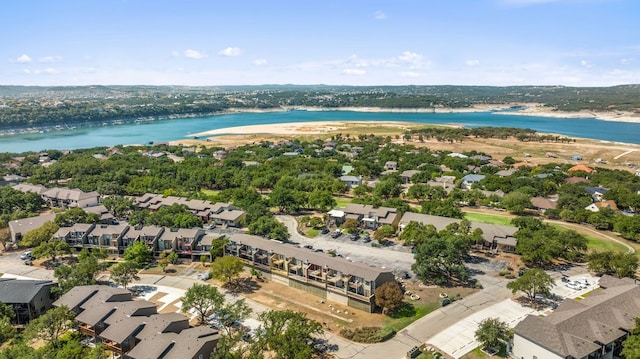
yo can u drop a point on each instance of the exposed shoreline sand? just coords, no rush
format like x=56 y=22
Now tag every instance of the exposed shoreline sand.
x=527 y=109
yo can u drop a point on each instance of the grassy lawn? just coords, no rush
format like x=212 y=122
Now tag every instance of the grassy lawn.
x=409 y=314
x=342 y=201
x=311 y=232
x=488 y=218
x=209 y=192
x=604 y=245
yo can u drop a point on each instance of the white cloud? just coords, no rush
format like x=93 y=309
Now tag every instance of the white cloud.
x=23 y=59
x=354 y=72
x=259 y=62
x=625 y=61
x=194 y=54
x=585 y=63
x=46 y=71
x=230 y=51
x=49 y=59
x=472 y=62
x=412 y=74
x=410 y=57
x=379 y=15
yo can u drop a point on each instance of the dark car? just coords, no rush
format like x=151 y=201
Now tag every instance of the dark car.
x=325 y=230
x=366 y=238
x=354 y=237
x=318 y=250
x=336 y=234
x=308 y=246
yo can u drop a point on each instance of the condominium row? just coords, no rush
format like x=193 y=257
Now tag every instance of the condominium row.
x=187 y=242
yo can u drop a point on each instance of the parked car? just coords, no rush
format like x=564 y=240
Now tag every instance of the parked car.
x=565 y=279
x=325 y=230
x=307 y=246
x=205 y=276
x=318 y=250
x=25 y=255
x=336 y=234
x=573 y=285
x=28 y=262
x=354 y=237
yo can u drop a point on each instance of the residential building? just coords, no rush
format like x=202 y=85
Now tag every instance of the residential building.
x=133 y=328
x=582 y=168
x=70 y=198
x=469 y=180
x=593 y=327
x=106 y=236
x=496 y=237
x=542 y=204
x=25 y=187
x=406 y=175
x=75 y=236
x=367 y=216
x=348 y=283
x=597 y=193
x=221 y=213
x=351 y=181
x=391 y=166
x=19 y=227
x=11 y=180
x=180 y=240
x=28 y=298
x=448 y=183
x=597 y=206
x=574 y=179
x=147 y=234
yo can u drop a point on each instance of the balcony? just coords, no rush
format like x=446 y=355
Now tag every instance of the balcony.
x=87 y=329
x=115 y=347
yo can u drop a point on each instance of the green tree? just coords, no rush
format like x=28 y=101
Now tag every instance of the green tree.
x=516 y=202
x=612 y=262
x=226 y=268
x=493 y=333
x=76 y=215
x=440 y=259
x=350 y=225
x=51 y=250
x=415 y=232
x=36 y=236
x=631 y=345
x=50 y=326
x=217 y=247
x=124 y=273
x=389 y=296
x=286 y=334
x=231 y=313
x=120 y=206
x=203 y=299
x=385 y=231
x=532 y=282
x=138 y=253
x=82 y=273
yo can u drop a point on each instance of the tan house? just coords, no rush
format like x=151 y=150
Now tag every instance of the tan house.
x=70 y=198
x=146 y=234
x=180 y=240
x=75 y=236
x=19 y=227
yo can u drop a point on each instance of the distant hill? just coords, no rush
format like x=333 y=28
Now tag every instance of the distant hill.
x=33 y=106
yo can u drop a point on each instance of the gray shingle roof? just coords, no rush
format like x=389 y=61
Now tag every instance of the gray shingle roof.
x=340 y=264
x=20 y=290
x=575 y=328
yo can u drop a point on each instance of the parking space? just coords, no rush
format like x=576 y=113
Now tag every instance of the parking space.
x=459 y=339
x=575 y=286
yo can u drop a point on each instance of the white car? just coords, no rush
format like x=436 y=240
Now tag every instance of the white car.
x=573 y=285
x=25 y=255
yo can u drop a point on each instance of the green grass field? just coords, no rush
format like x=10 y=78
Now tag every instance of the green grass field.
x=342 y=201
x=488 y=218
x=596 y=244
x=209 y=192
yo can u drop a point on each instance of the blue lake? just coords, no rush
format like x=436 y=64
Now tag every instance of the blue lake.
x=175 y=129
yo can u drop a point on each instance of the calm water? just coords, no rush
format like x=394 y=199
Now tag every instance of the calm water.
x=167 y=130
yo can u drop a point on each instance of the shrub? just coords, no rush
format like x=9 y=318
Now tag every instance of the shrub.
x=367 y=335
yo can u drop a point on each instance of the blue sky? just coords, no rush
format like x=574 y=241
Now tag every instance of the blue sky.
x=345 y=42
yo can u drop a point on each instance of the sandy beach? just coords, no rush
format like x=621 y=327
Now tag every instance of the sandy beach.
x=297 y=128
